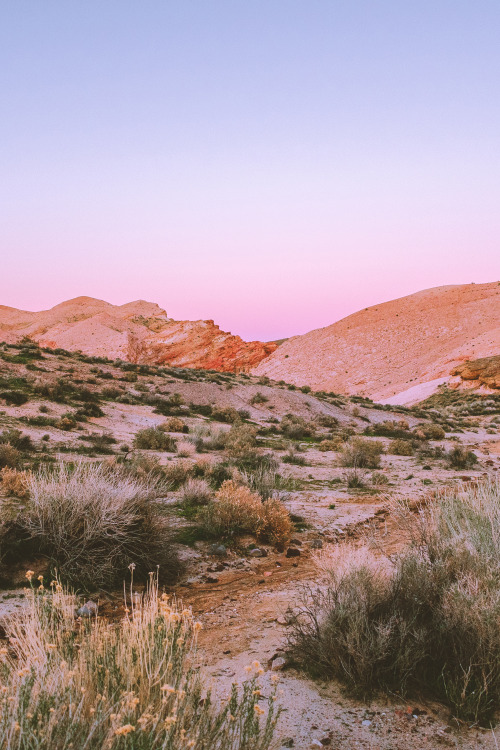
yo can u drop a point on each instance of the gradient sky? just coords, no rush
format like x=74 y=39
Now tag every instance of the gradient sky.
x=271 y=164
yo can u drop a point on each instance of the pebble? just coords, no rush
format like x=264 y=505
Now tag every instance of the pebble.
x=218 y=549
x=89 y=609
x=316 y=544
x=366 y=723
x=293 y=552
x=257 y=552
x=278 y=664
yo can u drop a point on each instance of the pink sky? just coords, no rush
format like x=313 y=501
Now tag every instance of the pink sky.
x=272 y=166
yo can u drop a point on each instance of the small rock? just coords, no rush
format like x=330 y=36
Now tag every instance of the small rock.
x=293 y=552
x=315 y=743
x=288 y=742
x=218 y=549
x=366 y=723
x=211 y=579
x=89 y=609
x=316 y=544
x=257 y=552
x=297 y=542
x=278 y=664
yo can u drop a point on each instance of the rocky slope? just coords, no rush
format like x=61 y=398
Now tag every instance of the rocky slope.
x=398 y=351
x=137 y=331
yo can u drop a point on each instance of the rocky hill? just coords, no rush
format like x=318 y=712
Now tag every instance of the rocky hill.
x=137 y=331
x=398 y=351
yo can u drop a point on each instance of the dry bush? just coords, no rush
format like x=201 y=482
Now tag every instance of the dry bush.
x=225 y=414
x=91 y=521
x=174 y=424
x=177 y=472
x=9 y=456
x=296 y=428
x=275 y=524
x=334 y=444
x=400 y=447
x=237 y=510
x=185 y=449
x=361 y=454
x=118 y=686
x=15 y=482
x=241 y=439
x=379 y=478
x=432 y=431
x=206 y=437
x=154 y=439
x=428 y=622
x=461 y=458
x=196 y=492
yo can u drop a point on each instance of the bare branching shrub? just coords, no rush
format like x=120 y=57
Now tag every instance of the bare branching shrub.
x=118 y=686
x=93 y=521
x=428 y=621
x=196 y=492
x=154 y=439
x=361 y=454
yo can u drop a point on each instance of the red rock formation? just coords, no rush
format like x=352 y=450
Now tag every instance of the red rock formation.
x=138 y=331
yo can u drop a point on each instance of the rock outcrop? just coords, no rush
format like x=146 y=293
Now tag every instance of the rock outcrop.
x=137 y=331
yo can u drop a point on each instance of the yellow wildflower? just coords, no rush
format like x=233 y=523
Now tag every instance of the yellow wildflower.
x=30 y=574
x=125 y=729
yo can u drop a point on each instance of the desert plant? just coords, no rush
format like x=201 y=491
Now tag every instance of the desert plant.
x=118 y=686
x=275 y=523
x=400 y=447
x=15 y=482
x=330 y=444
x=16 y=439
x=361 y=454
x=296 y=428
x=154 y=439
x=258 y=398
x=196 y=492
x=427 y=620
x=461 y=458
x=225 y=414
x=185 y=449
x=354 y=478
x=9 y=456
x=239 y=440
x=174 y=424
x=91 y=521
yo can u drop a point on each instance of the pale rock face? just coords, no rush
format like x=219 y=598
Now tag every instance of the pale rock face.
x=137 y=331
x=395 y=347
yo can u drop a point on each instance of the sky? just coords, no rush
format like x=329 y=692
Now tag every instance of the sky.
x=273 y=165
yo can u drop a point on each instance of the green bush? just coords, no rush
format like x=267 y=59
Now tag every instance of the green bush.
x=461 y=458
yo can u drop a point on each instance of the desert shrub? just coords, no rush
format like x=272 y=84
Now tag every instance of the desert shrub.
x=14 y=398
x=258 y=398
x=379 y=479
x=264 y=480
x=330 y=444
x=9 y=456
x=363 y=454
x=237 y=510
x=14 y=482
x=92 y=521
x=89 y=410
x=354 y=478
x=432 y=431
x=196 y=492
x=293 y=457
x=16 y=439
x=461 y=458
x=174 y=424
x=225 y=414
x=400 y=447
x=275 y=523
x=239 y=440
x=219 y=473
x=429 y=620
x=252 y=462
x=326 y=420
x=296 y=428
x=154 y=439
x=67 y=422
x=389 y=428
x=176 y=473
x=117 y=686
x=185 y=449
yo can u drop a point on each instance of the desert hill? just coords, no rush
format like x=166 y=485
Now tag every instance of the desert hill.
x=398 y=351
x=137 y=331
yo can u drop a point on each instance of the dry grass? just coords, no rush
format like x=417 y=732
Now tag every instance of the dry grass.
x=109 y=687
x=196 y=492
x=428 y=621
x=15 y=482
x=361 y=454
